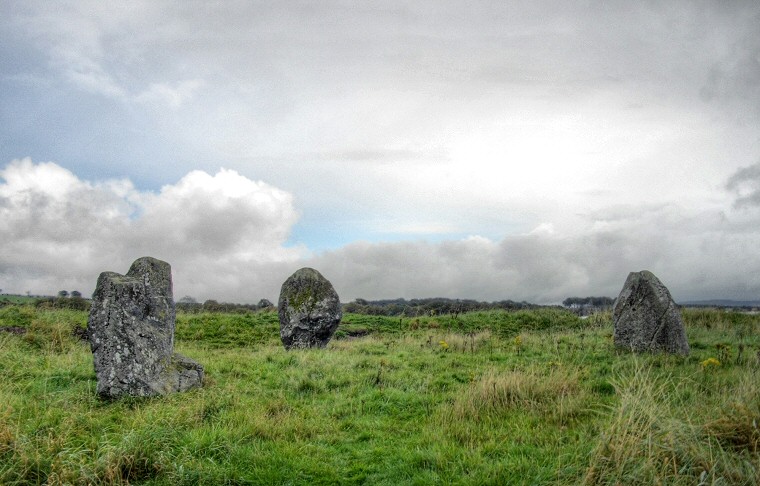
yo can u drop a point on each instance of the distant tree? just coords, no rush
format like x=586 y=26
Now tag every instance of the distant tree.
x=602 y=301
x=189 y=304
x=211 y=305
x=264 y=304
x=75 y=294
x=570 y=301
x=63 y=294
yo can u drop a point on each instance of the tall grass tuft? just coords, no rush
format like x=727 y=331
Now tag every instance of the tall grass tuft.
x=555 y=393
x=629 y=448
x=138 y=456
x=7 y=434
x=651 y=439
x=738 y=424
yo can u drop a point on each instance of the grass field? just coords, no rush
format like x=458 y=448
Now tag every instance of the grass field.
x=529 y=397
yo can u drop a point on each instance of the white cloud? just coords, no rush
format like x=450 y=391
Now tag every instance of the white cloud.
x=543 y=229
x=218 y=232
x=172 y=96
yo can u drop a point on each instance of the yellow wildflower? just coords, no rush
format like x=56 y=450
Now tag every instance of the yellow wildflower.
x=710 y=362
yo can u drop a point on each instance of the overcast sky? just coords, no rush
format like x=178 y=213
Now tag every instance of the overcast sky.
x=488 y=150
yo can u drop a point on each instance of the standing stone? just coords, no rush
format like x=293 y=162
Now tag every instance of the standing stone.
x=646 y=318
x=309 y=310
x=131 y=329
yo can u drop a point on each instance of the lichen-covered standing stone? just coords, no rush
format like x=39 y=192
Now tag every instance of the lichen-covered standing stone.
x=131 y=330
x=646 y=318
x=309 y=310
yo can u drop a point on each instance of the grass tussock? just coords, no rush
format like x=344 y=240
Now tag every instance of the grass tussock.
x=134 y=458
x=737 y=425
x=555 y=392
x=651 y=439
x=631 y=445
x=7 y=434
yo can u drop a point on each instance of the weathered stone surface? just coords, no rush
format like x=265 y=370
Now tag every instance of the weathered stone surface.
x=131 y=331
x=646 y=318
x=309 y=310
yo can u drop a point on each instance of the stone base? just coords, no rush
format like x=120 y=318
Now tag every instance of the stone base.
x=180 y=374
x=299 y=338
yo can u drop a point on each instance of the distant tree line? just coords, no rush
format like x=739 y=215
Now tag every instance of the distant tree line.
x=588 y=301
x=386 y=307
x=588 y=305
x=431 y=306
x=65 y=300
x=74 y=300
x=190 y=305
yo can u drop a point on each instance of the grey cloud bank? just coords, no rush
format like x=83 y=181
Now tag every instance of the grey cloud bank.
x=225 y=235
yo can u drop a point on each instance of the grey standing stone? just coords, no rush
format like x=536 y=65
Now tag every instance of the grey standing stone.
x=131 y=330
x=309 y=310
x=646 y=318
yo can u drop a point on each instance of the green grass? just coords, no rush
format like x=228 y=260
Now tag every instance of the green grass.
x=530 y=397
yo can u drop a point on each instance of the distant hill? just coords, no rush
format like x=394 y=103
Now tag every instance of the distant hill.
x=721 y=303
